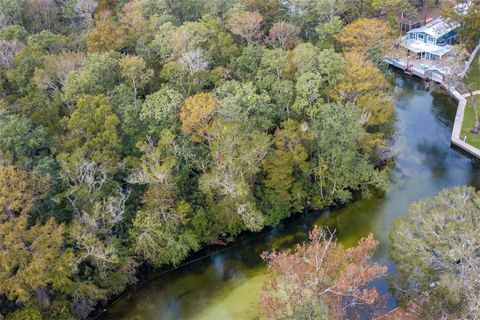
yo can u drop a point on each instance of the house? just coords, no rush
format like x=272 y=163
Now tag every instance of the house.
x=431 y=41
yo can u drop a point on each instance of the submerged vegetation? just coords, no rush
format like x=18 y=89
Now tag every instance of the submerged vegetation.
x=134 y=132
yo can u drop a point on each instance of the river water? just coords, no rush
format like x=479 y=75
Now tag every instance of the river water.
x=223 y=282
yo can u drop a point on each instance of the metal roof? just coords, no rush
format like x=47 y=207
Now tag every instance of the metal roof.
x=437 y=27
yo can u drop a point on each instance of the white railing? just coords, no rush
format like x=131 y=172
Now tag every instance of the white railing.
x=469 y=62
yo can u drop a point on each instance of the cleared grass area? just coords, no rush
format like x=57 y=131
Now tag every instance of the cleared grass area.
x=473 y=74
x=468 y=123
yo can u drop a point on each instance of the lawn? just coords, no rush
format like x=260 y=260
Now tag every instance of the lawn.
x=473 y=74
x=468 y=123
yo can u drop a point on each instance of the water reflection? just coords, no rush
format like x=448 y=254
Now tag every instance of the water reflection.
x=223 y=282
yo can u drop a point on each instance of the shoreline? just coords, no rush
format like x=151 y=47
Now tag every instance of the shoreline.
x=455 y=139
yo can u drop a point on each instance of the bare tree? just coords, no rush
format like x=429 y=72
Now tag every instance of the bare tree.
x=3 y=20
x=452 y=66
x=282 y=34
x=246 y=24
x=42 y=13
x=8 y=49
x=84 y=9
x=194 y=60
x=56 y=69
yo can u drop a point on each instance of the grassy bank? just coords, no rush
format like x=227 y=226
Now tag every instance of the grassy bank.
x=473 y=75
x=468 y=123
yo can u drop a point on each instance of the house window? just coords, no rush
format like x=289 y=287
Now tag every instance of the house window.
x=430 y=39
x=420 y=36
x=424 y=55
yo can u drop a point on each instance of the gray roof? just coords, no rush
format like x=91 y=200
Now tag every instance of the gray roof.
x=437 y=28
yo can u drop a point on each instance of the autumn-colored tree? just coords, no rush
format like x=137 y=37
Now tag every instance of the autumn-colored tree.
x=282 y=35
x=196 y=113
x=19 y=190
x=366 y=87
x=322 y=272
x=106 y=35
x=35 y=263
x=365 y=35
x=246 y=24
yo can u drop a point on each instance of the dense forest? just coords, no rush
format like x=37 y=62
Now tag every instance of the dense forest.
x=134 y=132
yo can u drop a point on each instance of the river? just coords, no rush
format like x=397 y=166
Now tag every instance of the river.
x=223 y=282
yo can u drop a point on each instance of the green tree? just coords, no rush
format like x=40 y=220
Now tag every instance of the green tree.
x=135 y=73
x=160 y=230
x=237 y=155
x=246 y=65
x=340 y=167
x=287 y=171
x=161 y=110
x=92 y=132
x=20 y=141
x=240 y=102
x=434 y=249
x=100 y=74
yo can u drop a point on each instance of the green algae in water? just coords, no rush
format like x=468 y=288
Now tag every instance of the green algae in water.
x=224 y=284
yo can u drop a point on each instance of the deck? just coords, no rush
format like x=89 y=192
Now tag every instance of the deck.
x=422 y=69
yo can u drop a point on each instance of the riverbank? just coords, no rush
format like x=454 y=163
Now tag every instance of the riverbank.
x=224 y=284
x=456 y=138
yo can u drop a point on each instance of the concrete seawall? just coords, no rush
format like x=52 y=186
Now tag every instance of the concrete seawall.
x=457 y=125
x=461 y=99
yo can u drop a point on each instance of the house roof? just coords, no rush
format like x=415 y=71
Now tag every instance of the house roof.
x=420 y=46
x=437 y=27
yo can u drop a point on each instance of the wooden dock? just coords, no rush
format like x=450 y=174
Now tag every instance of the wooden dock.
x=461 y=99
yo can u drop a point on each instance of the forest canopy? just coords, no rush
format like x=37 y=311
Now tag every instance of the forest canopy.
x=134 y=132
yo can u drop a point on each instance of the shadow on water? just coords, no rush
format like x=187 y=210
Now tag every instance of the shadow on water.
x=223 y=282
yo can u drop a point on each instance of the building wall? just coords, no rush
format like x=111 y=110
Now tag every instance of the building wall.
x=420 y=35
